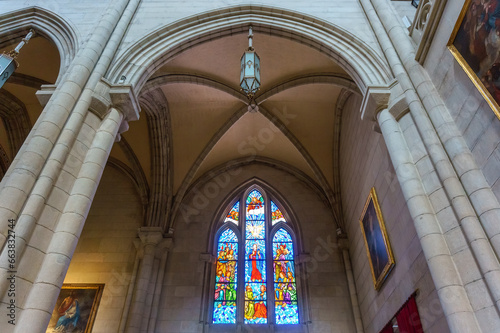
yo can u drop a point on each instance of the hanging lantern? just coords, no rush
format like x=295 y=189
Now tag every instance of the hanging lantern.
x=250 y=69
x=8 y=62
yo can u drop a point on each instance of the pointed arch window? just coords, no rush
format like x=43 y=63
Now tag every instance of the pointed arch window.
x=264 y=290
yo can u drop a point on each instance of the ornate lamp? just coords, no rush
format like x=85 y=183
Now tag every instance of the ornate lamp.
x=8 y=62
x=250 y=69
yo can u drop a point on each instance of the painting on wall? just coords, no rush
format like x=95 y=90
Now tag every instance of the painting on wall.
x=475 y=44
x=76 y=308
x=377 y=244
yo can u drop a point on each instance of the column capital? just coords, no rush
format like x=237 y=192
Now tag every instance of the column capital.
x=377 y=98
x=150 y=235
x=119 y=96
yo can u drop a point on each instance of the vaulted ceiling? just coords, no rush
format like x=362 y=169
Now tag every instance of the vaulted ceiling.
x=205 y=120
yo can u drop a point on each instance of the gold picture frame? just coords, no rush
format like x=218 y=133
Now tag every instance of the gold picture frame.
x=76 y=308
x=470 y=43
x=378 y=248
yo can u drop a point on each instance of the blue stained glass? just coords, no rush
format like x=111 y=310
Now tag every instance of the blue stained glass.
x=255 y=206
x=255 y=248
x=224 y=314
x=255 y=230
x=287 y=313
x=255 y=312
x=282 y=236
x=226 y=293
x=228 y=236
x=255 y=291
x=255 y=273
x=234 y=214
x=276 y=215
x=283 y=251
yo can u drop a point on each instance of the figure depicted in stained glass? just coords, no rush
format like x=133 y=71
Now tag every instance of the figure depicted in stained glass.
x=276 y=214
x=226 y=278
x=255 y=206
x=260 y=307
x=234 y=214
x=256 y=274
x=249 y=304
x=285 y=288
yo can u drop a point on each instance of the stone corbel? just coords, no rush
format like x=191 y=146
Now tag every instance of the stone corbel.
x=45 y=93
x=207 y=257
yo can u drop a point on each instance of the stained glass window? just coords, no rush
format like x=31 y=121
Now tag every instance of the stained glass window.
x=285 y=287
x=276 y=215
x=258 y=215
x=234 y=214
x=255 y=260
x=226 y=279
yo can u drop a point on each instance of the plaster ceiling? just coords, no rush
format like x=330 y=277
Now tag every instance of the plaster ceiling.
x=208 y=131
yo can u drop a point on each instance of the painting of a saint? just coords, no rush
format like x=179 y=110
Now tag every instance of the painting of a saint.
x=475 y=43
x=75 y=309
x=377 y=245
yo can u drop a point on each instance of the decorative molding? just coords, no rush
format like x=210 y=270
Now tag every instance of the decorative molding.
x=424 y=26
x=155 y=106
x=27 y=80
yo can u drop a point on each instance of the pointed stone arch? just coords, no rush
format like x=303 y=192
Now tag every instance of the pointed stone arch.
x=16 y=25
x=149 y=53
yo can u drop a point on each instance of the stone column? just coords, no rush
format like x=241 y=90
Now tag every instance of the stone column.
x=43 y=294
x=451 y=292
x=150 y=238
x=344 y=246
x=162 y=252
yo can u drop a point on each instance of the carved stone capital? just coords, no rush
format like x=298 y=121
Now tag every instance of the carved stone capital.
x=121 y=97
x=150 y=235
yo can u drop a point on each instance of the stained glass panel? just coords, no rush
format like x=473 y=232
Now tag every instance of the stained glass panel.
x=224 y=314
x=226 y=279
x=255 y=264
x=255 y=270
x=282 y=236
x=285 y=288
x=255 y=312
x=276 y=215
x=287 y=313
x=255 y=229
x=255 y=206
x=234 y=214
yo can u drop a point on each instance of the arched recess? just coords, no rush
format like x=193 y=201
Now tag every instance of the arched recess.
x=15 y=25
x=16 y=120
x=149 y=53
x=291 y=226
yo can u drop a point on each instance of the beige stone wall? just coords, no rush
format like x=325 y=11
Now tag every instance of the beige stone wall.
x=105 y=252
x=181 y=305
x=365 y=162
x=473 y=116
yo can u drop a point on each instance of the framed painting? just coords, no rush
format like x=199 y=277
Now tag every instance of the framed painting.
x=475 y=44
x=377 y=244
x=76 y=308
